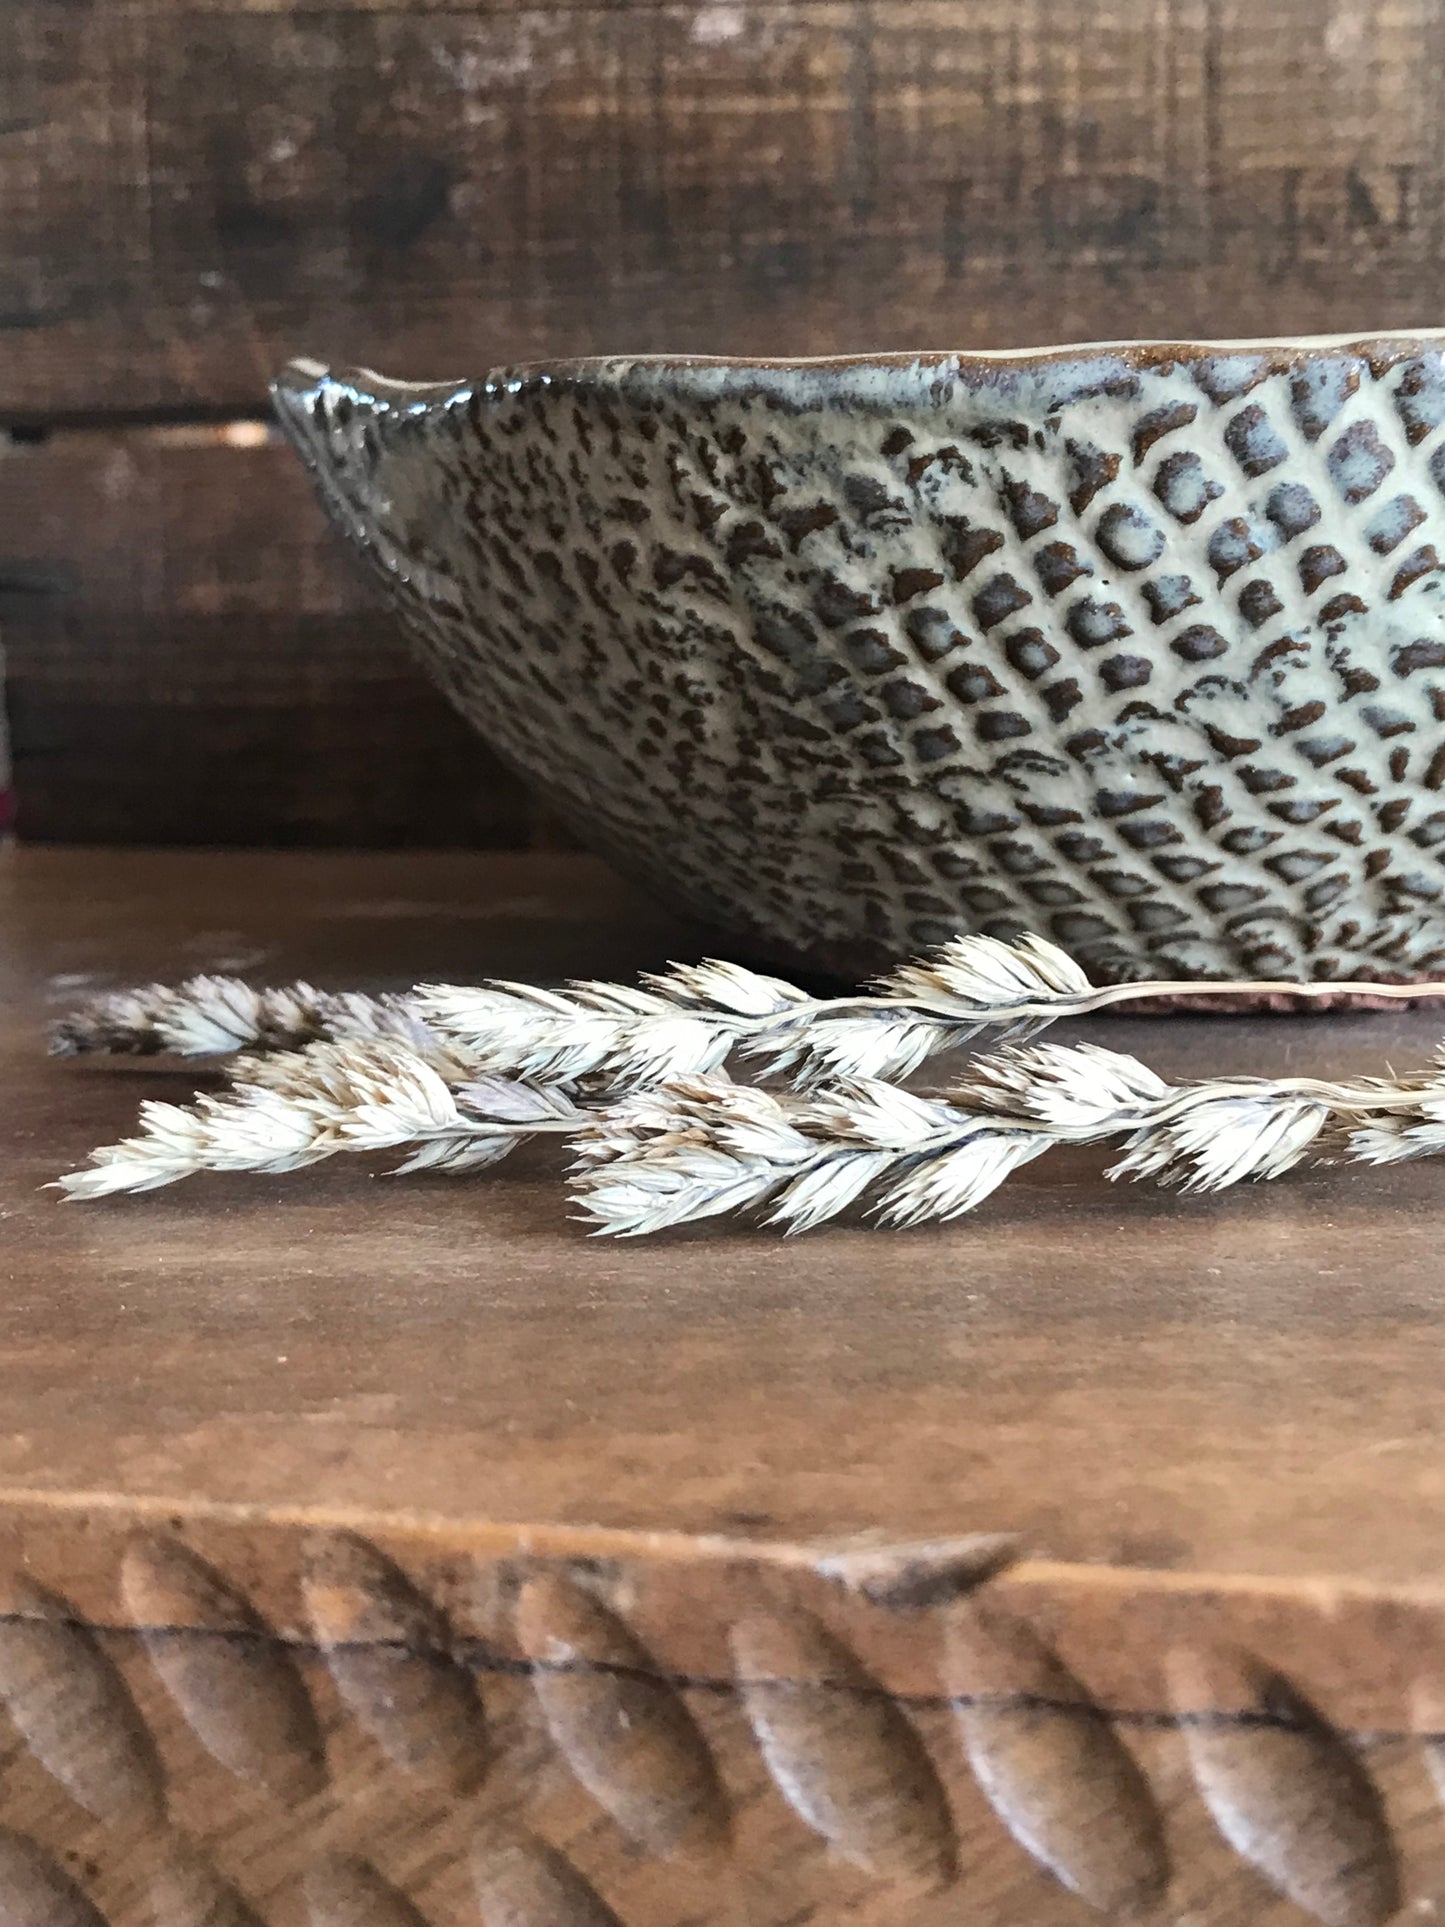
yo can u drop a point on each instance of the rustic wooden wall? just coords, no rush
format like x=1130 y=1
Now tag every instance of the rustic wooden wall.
x=191 y=659
x=190 y=193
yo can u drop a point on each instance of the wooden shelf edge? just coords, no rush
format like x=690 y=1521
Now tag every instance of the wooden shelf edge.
x=571 y=1707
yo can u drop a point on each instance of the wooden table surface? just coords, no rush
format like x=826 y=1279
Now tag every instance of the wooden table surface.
x=584 y=1582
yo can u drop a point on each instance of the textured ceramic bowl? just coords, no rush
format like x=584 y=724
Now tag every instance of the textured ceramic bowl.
x=1142 y=647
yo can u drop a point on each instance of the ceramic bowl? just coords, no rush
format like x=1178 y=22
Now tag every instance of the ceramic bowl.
x=1139 y=646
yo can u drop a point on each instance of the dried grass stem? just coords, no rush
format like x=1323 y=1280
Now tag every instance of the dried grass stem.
x=688 y=1020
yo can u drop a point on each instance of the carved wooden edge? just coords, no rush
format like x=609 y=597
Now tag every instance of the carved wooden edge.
x=552 y=1711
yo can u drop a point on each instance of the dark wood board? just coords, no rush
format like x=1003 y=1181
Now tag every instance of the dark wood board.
x=189 y=195
x=1150 y=1334
x=192 y=659
x=581 y=1583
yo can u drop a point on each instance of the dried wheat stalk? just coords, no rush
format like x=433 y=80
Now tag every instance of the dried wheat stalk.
x=687 y=1020
x=213 y=1016
x=699 y=1146
x=296 y=1108
x=702 y=1146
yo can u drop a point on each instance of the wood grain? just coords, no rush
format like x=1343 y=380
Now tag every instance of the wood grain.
x=191 y=195
x=190 y=658
x=378 y=1553
x=1112 y=1372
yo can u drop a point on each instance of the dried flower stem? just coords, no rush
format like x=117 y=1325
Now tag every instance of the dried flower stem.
x=700 y=1146
x=307 y=1105
x=683 y=1022
x=213 y=1016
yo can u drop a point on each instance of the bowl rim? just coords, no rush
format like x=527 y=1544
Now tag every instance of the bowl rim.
x=1135 y=354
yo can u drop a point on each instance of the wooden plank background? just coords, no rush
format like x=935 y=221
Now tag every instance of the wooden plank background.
x=189 y=193
x=190 y=659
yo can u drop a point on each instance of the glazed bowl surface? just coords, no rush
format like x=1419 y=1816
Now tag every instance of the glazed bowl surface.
x=1139 y=646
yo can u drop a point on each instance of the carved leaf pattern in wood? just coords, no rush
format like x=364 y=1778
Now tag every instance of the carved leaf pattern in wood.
x=1287 y=1793
x=625 y=1732
x=343 y=1890
x=234 y=1682
x=1051 y=1767
x=1284 y=1789
x=188 y=1888
x=389 y=1651
x=919 y=1574
x=525 y=1882
x=840 y=1751
x=73 y=1709
x=35 y=1892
